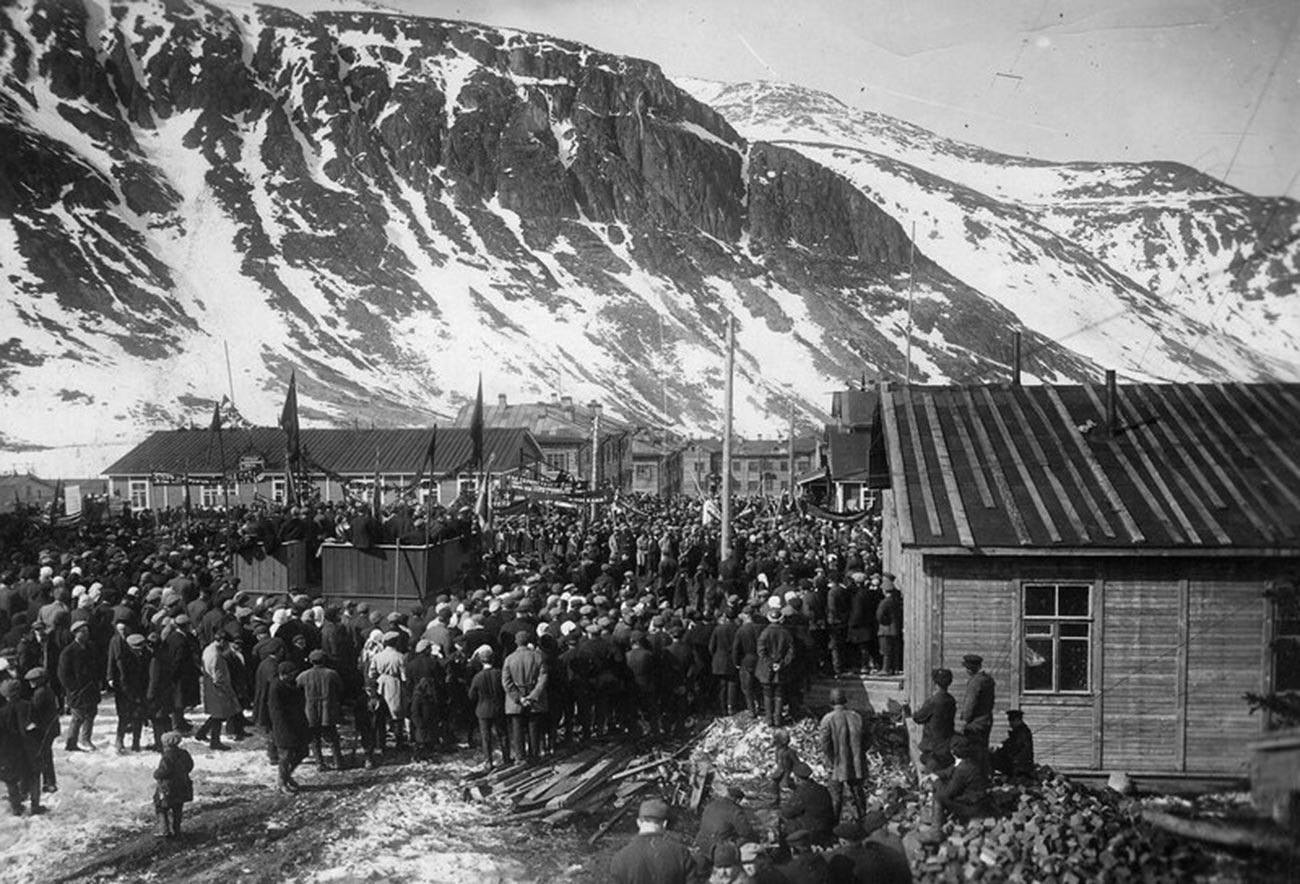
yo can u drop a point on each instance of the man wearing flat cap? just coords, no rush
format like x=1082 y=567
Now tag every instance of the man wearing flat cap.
x=79 y=673
x=810 y=808
x=323 y=691
x=843 y=739
x=653 y=856
x=975 y=721
x=724 y=821
x=286 y=706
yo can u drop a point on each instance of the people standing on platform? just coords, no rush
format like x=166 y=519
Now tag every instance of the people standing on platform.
x=889 y=619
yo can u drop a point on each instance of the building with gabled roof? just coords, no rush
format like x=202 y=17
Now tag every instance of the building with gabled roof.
x=156 y=473
x=1106 y=551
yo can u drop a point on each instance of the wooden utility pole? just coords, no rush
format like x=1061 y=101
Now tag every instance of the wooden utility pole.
x=595 y=454
x=724 y=544
x=911 y=280
x=1015 y=358
x=790 y=454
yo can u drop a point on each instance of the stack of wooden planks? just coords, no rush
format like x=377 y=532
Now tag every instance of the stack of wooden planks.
x=582 y=781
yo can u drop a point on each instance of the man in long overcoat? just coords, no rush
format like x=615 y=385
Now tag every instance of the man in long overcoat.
x=220 y=701
x=286 y=705
x=975 y=722
x=776 y=651
x=323 y=693
x=844 y=745
x=524 y=678
x=80 y=673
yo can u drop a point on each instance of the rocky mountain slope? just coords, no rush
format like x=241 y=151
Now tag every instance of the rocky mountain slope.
x=389 y=205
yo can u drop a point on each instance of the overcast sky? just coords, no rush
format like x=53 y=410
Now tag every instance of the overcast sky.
x=1211 y=83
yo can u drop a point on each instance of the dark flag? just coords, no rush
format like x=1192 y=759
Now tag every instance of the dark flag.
x=216 y=418
x=289 y=417
x=378 y=503
x=476 y=426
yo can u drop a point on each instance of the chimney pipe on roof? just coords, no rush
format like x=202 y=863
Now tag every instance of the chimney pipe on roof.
x=1015 y=358
x=1112 y=403
x=566 y=401
x=501 y=399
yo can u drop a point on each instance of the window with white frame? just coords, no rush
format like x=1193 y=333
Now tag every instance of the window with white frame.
x=210 y=496
x=559 y=461
x=139 y=491
x=278 y=490
x=1057 y=622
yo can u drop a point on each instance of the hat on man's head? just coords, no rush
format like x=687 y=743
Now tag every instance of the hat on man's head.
x=799 y=838
x=80 y=624
x=801 y=769
x=972 y=660
x=1015 y=714
x=942 y=677
x=288 y=667
x=33 y=674
x=749 y=851
x=653 y=809
x=849 y=831
x=837 y=697
x=735 y=793
x=181 y=619
x=316 y=656
x=135 y=640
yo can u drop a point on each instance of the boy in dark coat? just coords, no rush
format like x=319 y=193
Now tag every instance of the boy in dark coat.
x=488 y=695
x=17 y=749
x=45 y=717
x=936 y=717
x=173 y=786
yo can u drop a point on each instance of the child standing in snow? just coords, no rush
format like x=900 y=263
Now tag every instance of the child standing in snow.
x=173 y=785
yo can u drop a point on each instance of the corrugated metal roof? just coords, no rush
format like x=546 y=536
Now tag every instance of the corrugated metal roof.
x=1212 y=466
x=547 y=420
x=350 y=452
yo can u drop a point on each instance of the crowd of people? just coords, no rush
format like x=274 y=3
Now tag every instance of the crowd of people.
x=568 y=628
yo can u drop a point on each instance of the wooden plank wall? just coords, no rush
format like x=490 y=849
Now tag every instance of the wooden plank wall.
x=368 y=574
x=275 y=573
x=1140 y=690
x=1062 y=731
x=1226 y=616
x=979 y=618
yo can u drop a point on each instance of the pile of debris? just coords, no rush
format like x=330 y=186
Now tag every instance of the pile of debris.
x=1059 y=830
x=581 y=782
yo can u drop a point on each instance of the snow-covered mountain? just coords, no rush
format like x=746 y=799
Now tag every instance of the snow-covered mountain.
x=389 y=205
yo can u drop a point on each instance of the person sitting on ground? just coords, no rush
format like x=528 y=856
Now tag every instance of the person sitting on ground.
x=724 y=821
x=860 y=857
x=726 y=865
x=1015 y=757
x=172 y=784
x=810 y=807
x=805 y=866
x=962 y=791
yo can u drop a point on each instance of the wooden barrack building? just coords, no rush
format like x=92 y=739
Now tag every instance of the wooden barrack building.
x=1106 y=550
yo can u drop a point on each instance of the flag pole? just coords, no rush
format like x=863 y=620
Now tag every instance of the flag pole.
x=724 y=543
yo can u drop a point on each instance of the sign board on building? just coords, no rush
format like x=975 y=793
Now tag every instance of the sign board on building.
x=72 y=499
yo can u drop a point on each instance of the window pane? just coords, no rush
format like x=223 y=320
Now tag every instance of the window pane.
x=1073 y=665
x=1038 y=629
x=1074 y=601
x=1038 y=664
x=1075 y=630
x=1040 y=601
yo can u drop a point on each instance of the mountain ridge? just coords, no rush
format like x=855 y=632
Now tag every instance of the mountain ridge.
x=387 y=204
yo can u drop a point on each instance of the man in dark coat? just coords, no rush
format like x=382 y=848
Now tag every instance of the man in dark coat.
x=776 y=651
x=1015 y=757
x=159 y=696
x=810 y=808
x=862 y=858
x=183 y=649
x=130 y=683
x=844 y=745
x=936 y=717
x=724 y=671
x=427 y=677
x=975 y=722
x=524 y=678
x=489 y=698
x=18 y=749
x=643 y=665
x=80 y=673
x=962 y=791
x=322 y=690
x=744 y=655
x=45 y=716
x=724 y=821
x=889 y=620
x=653 y=856
x=287 y=707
